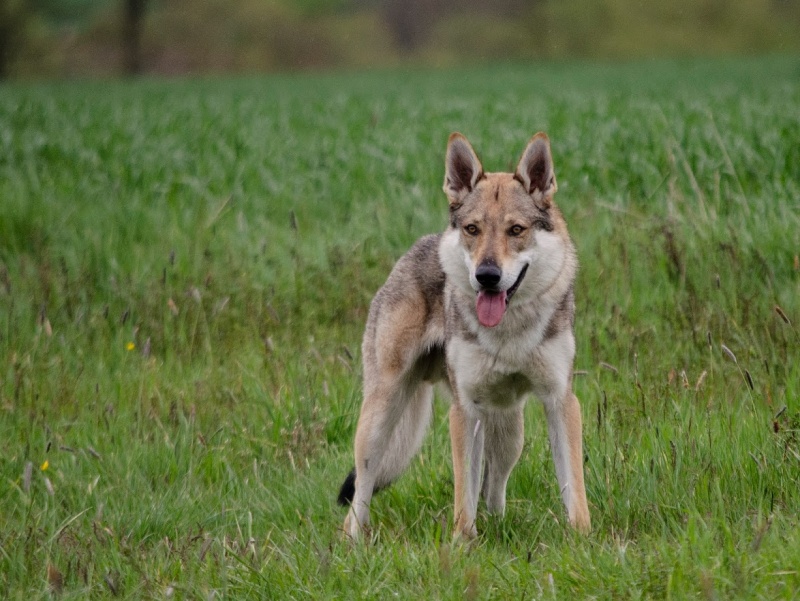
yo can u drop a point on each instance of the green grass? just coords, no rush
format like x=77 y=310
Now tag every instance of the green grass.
x=185 y=270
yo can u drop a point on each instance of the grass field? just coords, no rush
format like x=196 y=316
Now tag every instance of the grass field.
x=186 y=267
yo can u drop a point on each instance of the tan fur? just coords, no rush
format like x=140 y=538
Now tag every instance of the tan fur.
x=506 y=240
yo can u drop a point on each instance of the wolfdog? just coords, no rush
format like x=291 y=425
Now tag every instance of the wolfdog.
x=487 y=306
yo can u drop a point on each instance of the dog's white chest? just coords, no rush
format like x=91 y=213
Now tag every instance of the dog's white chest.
x=483 y=380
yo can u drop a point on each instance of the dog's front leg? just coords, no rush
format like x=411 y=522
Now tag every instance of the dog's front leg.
x=565 y=432
x=466 y=434
x=503 y=442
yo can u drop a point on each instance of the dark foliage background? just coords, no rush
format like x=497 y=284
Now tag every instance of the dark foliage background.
x=69 y=38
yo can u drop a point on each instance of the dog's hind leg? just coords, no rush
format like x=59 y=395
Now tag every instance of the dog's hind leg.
x=503 y=447
x=408 y=434
x=390 y=431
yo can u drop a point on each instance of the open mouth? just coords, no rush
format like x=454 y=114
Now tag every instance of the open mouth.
x=510 y=292
x=491 y=304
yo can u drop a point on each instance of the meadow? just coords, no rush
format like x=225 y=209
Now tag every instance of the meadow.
x=186 y=267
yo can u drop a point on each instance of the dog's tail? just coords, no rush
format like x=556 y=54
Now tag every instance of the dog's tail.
x=348 y=489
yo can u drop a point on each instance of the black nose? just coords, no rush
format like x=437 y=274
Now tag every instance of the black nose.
x=488 y=275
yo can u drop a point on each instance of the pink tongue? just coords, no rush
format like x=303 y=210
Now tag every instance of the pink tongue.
x=491 y=306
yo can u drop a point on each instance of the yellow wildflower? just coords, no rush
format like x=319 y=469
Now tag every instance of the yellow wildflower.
x=45 y=465
x=130 y=346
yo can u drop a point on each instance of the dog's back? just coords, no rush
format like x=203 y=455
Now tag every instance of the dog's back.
x=403 y=350
x=406 y=317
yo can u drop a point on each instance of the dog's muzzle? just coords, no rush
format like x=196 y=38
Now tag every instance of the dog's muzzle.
x=491 y=303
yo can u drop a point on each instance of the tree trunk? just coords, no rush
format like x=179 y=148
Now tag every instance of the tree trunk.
x=14 y=18
x=132 y=35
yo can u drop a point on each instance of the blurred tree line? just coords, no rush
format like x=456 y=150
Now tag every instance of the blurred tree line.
x=62 y=38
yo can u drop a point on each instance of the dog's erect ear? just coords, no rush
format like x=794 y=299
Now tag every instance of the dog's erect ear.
x=535 y=170
x=462 y=169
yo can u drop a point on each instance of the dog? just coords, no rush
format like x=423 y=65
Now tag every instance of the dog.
x=487 y=306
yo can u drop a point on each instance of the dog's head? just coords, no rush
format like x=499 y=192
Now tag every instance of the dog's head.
x=504 y=226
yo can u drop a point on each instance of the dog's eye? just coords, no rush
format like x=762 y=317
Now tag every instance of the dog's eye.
x=471 y=229
x=516 y=230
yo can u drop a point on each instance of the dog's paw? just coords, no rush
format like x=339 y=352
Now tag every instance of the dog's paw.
x=581 y=522
x=353 y=531
x=465 y=532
